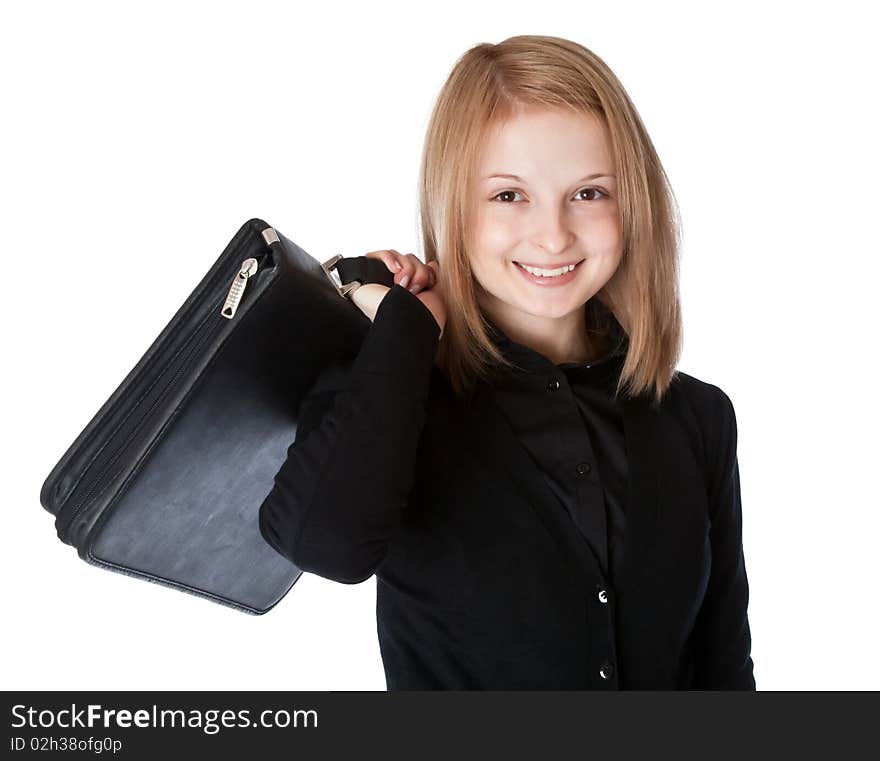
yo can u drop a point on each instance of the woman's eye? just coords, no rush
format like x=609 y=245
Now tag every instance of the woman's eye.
x=591 y=190
x=508 y=193
x=505 y=193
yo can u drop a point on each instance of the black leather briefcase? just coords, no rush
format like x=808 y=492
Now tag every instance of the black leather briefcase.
x=166 y=481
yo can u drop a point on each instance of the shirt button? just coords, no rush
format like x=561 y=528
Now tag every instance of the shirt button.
x=583 y=468
x=607 y=670
x=553 y=385
x=603 y=596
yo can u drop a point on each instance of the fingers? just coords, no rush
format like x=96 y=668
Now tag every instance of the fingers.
x=421 y=275
x=409 y=271
x=389 y=257
x=433 y=268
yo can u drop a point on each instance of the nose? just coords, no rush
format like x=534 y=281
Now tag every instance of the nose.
x=551 y=231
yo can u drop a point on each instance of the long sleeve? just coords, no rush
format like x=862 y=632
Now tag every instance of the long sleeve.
x=722 y=633
x=338 y=496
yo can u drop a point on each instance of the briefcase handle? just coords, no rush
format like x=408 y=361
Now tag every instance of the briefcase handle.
x=348 y=273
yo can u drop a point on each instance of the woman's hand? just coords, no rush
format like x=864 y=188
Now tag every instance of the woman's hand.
x=422 y=280
x=408 y=269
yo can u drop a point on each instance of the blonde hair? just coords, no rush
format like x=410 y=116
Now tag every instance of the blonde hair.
x=487 y=85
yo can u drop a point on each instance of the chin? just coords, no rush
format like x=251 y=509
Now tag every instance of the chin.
x=550 y=307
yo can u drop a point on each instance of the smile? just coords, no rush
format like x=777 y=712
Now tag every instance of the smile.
x=545 y=276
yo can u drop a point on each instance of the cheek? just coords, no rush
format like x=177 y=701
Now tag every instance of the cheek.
x=601 y=227
x=491 y=248
x=485 y=271
x=495 y=234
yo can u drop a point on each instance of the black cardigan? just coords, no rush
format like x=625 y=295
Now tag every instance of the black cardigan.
x=482 y=580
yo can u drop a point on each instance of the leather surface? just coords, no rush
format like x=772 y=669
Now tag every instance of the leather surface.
x=166 y=481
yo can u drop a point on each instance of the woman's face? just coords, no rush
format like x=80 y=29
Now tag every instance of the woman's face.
x=559 y=209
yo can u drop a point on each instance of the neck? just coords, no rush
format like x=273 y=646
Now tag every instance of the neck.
x=560 y=339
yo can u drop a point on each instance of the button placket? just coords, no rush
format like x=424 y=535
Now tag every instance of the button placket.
x=582 y=468
x=603 y=642
x=585 y=483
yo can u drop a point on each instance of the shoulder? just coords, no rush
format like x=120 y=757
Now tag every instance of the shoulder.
x=707 y=412
x=707 y=401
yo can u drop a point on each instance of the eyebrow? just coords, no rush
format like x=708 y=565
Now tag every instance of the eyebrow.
x=520 y=179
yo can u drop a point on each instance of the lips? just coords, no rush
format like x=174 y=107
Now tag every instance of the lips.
x=552 y=281
x=549 y=266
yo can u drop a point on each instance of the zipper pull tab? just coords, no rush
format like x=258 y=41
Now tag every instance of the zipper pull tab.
x=248 y=268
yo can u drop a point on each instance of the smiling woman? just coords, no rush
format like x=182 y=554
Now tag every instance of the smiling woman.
x=545 y=501
x=536 y=156
x=541 y=255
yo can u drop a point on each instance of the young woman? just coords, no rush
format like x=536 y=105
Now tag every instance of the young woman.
x=545 y=501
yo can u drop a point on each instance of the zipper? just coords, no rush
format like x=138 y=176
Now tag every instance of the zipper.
x=177 y=365
x=236 y=290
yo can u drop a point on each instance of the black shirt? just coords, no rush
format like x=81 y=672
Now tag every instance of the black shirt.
x=575 y=429
x=487 y=578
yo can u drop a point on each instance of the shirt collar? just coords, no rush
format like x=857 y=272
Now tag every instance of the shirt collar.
x=530 y=361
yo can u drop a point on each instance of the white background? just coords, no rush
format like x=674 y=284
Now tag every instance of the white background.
x=137 y=138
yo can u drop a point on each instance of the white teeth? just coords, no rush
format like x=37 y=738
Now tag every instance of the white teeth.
x=546 y=273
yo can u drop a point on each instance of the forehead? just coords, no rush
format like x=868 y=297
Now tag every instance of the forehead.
x=536 y=138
